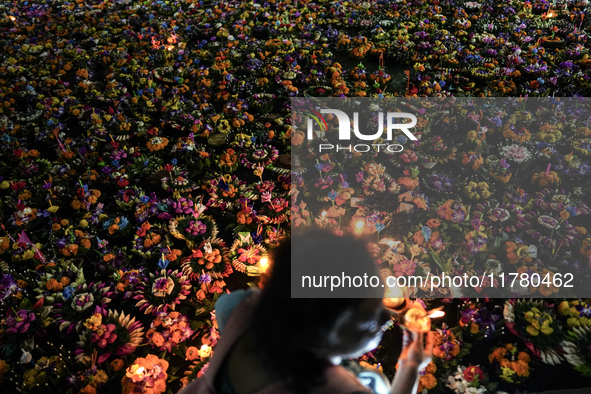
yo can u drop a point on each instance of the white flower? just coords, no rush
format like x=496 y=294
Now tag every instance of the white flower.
x=516 y=153
x=26 y=357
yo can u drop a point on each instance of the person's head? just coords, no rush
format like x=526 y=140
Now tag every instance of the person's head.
x=319 y=329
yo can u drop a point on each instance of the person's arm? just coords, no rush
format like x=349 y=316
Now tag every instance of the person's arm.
x=414 y=358
x=406 y=380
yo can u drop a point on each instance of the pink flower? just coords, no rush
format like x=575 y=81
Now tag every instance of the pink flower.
x=405 y=267
x=202 y=371
x=409 y=156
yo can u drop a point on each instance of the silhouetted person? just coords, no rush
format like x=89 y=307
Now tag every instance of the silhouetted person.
x=273 y=343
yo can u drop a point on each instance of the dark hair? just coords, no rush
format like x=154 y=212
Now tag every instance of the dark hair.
x=292 y=334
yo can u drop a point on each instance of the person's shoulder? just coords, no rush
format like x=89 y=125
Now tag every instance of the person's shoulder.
x=230 y=300
x=226 y=304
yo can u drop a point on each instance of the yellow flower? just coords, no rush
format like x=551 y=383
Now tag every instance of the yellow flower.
x=94 y=321
x=507 y=374
x=100 y=377
x=529 y=315
x=531 y=330
x=546 y=329
x=563 y=308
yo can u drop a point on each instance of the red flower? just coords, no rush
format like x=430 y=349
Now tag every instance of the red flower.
x=16 y=186
x=227 y=270
x=473 y=373
x=123 y=182
x=127 y=195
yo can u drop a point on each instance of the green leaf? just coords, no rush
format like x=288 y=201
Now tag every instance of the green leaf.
x=584 y=369
x=497 y=242
x=199 y=311
x=178 y=351
x=25 y=304
x=195 y=325
x=436 y=259
x=8 y=350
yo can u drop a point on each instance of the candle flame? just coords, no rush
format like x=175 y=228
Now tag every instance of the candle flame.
x=436 y=314
x=394 y=292
x=205 y=351
x=264 y=264
x=359 y=225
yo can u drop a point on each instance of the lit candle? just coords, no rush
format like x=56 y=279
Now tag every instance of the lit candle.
x=359 y=227
x=394 y=298
x=135 y=373
x=264 y=264
x=416 y=319
x=436 y=314
x=205 y=351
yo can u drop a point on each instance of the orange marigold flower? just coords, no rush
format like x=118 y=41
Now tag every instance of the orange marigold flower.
x=192 y=353
x=116 y=365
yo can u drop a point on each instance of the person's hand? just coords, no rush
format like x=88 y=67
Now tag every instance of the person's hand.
x=413 y=351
